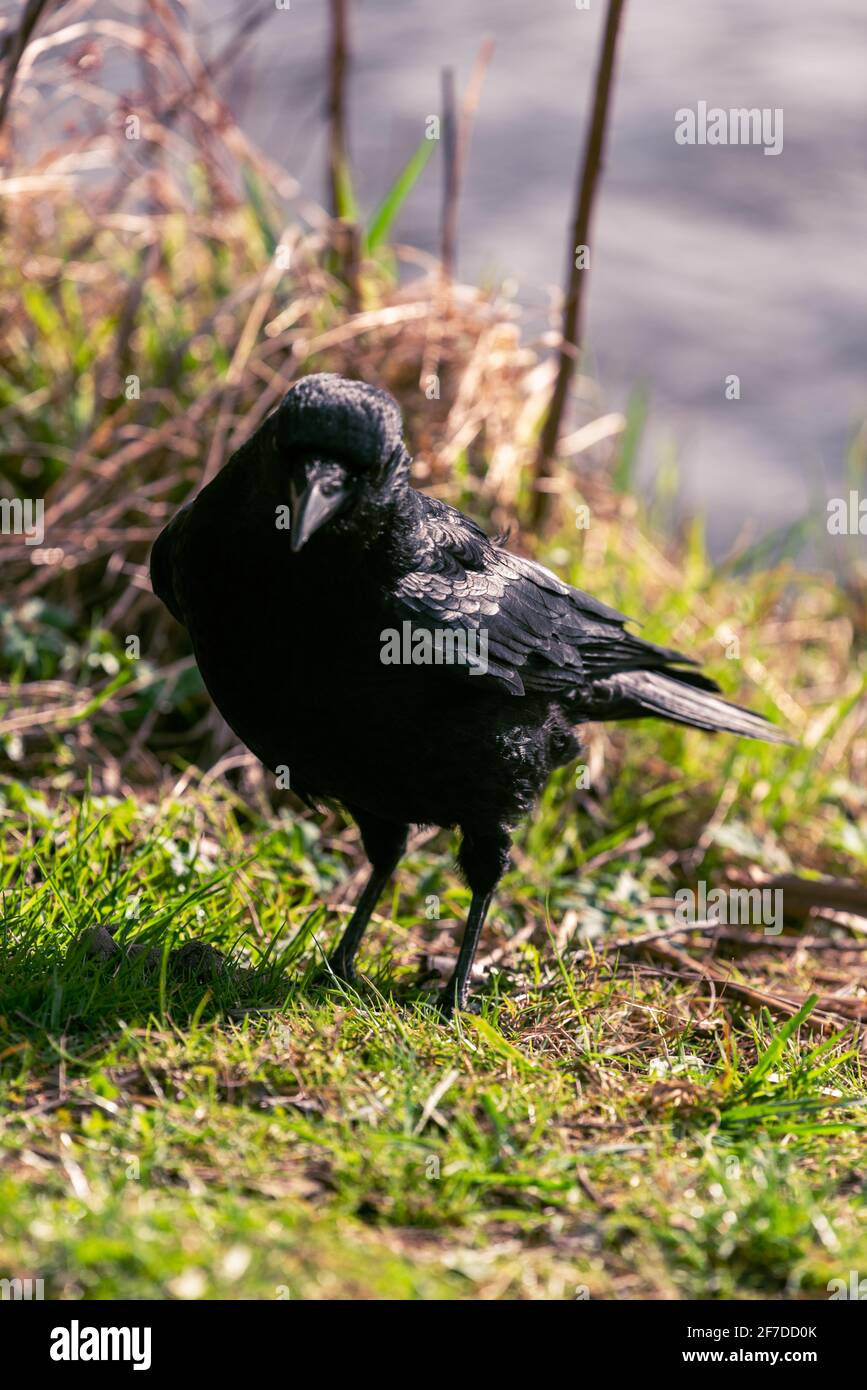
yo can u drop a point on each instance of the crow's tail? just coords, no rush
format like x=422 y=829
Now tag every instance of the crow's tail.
x=680 y=697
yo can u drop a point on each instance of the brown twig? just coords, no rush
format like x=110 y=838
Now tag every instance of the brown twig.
x=456 y=145
x=629 y=943
x=827 y=1017
x=14 y=49
x=456 y=142
x=337 y=68
x=802 y=894
x=450 y=174
x=739 y=936
x=576 y=275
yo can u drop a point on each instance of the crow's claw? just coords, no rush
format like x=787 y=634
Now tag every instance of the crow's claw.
x=448 y=1005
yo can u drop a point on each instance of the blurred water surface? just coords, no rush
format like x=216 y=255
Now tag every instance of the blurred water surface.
x=706 y=261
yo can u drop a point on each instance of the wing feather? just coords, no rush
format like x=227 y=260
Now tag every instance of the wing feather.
x=542 y=634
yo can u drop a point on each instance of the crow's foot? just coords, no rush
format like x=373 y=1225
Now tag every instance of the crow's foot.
x=449 y=1004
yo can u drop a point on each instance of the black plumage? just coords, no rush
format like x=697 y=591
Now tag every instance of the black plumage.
x=290 y=627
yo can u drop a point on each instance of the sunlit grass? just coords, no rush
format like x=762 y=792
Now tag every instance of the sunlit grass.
x=267 y=1133
x=610 y=1125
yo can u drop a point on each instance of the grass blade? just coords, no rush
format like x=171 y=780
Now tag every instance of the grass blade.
x=383 y=219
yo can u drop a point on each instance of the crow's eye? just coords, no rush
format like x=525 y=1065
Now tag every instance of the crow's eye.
x=329 y=487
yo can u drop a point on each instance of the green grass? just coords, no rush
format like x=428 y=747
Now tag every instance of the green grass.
x=607 y=1127
x=600 y=1130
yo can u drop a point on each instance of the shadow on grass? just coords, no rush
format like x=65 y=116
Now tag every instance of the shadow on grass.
x=69 y=1004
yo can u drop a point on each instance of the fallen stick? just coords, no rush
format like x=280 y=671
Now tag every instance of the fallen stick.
x=827 y=1017
x=844 y=895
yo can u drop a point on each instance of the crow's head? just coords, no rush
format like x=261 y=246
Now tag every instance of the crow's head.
x=341 y=442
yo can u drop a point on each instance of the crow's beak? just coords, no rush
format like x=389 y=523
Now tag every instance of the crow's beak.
x=312 y=505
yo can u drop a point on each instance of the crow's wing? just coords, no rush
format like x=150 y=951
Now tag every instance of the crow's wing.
x=541 y=633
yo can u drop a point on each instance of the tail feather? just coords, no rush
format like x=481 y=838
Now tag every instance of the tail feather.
x=679 y=699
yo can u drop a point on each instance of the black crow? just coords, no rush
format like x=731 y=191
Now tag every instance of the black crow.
x=375 y=647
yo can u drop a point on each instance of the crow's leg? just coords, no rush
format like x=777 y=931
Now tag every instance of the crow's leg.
x=483 y=860
x=384 y=844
